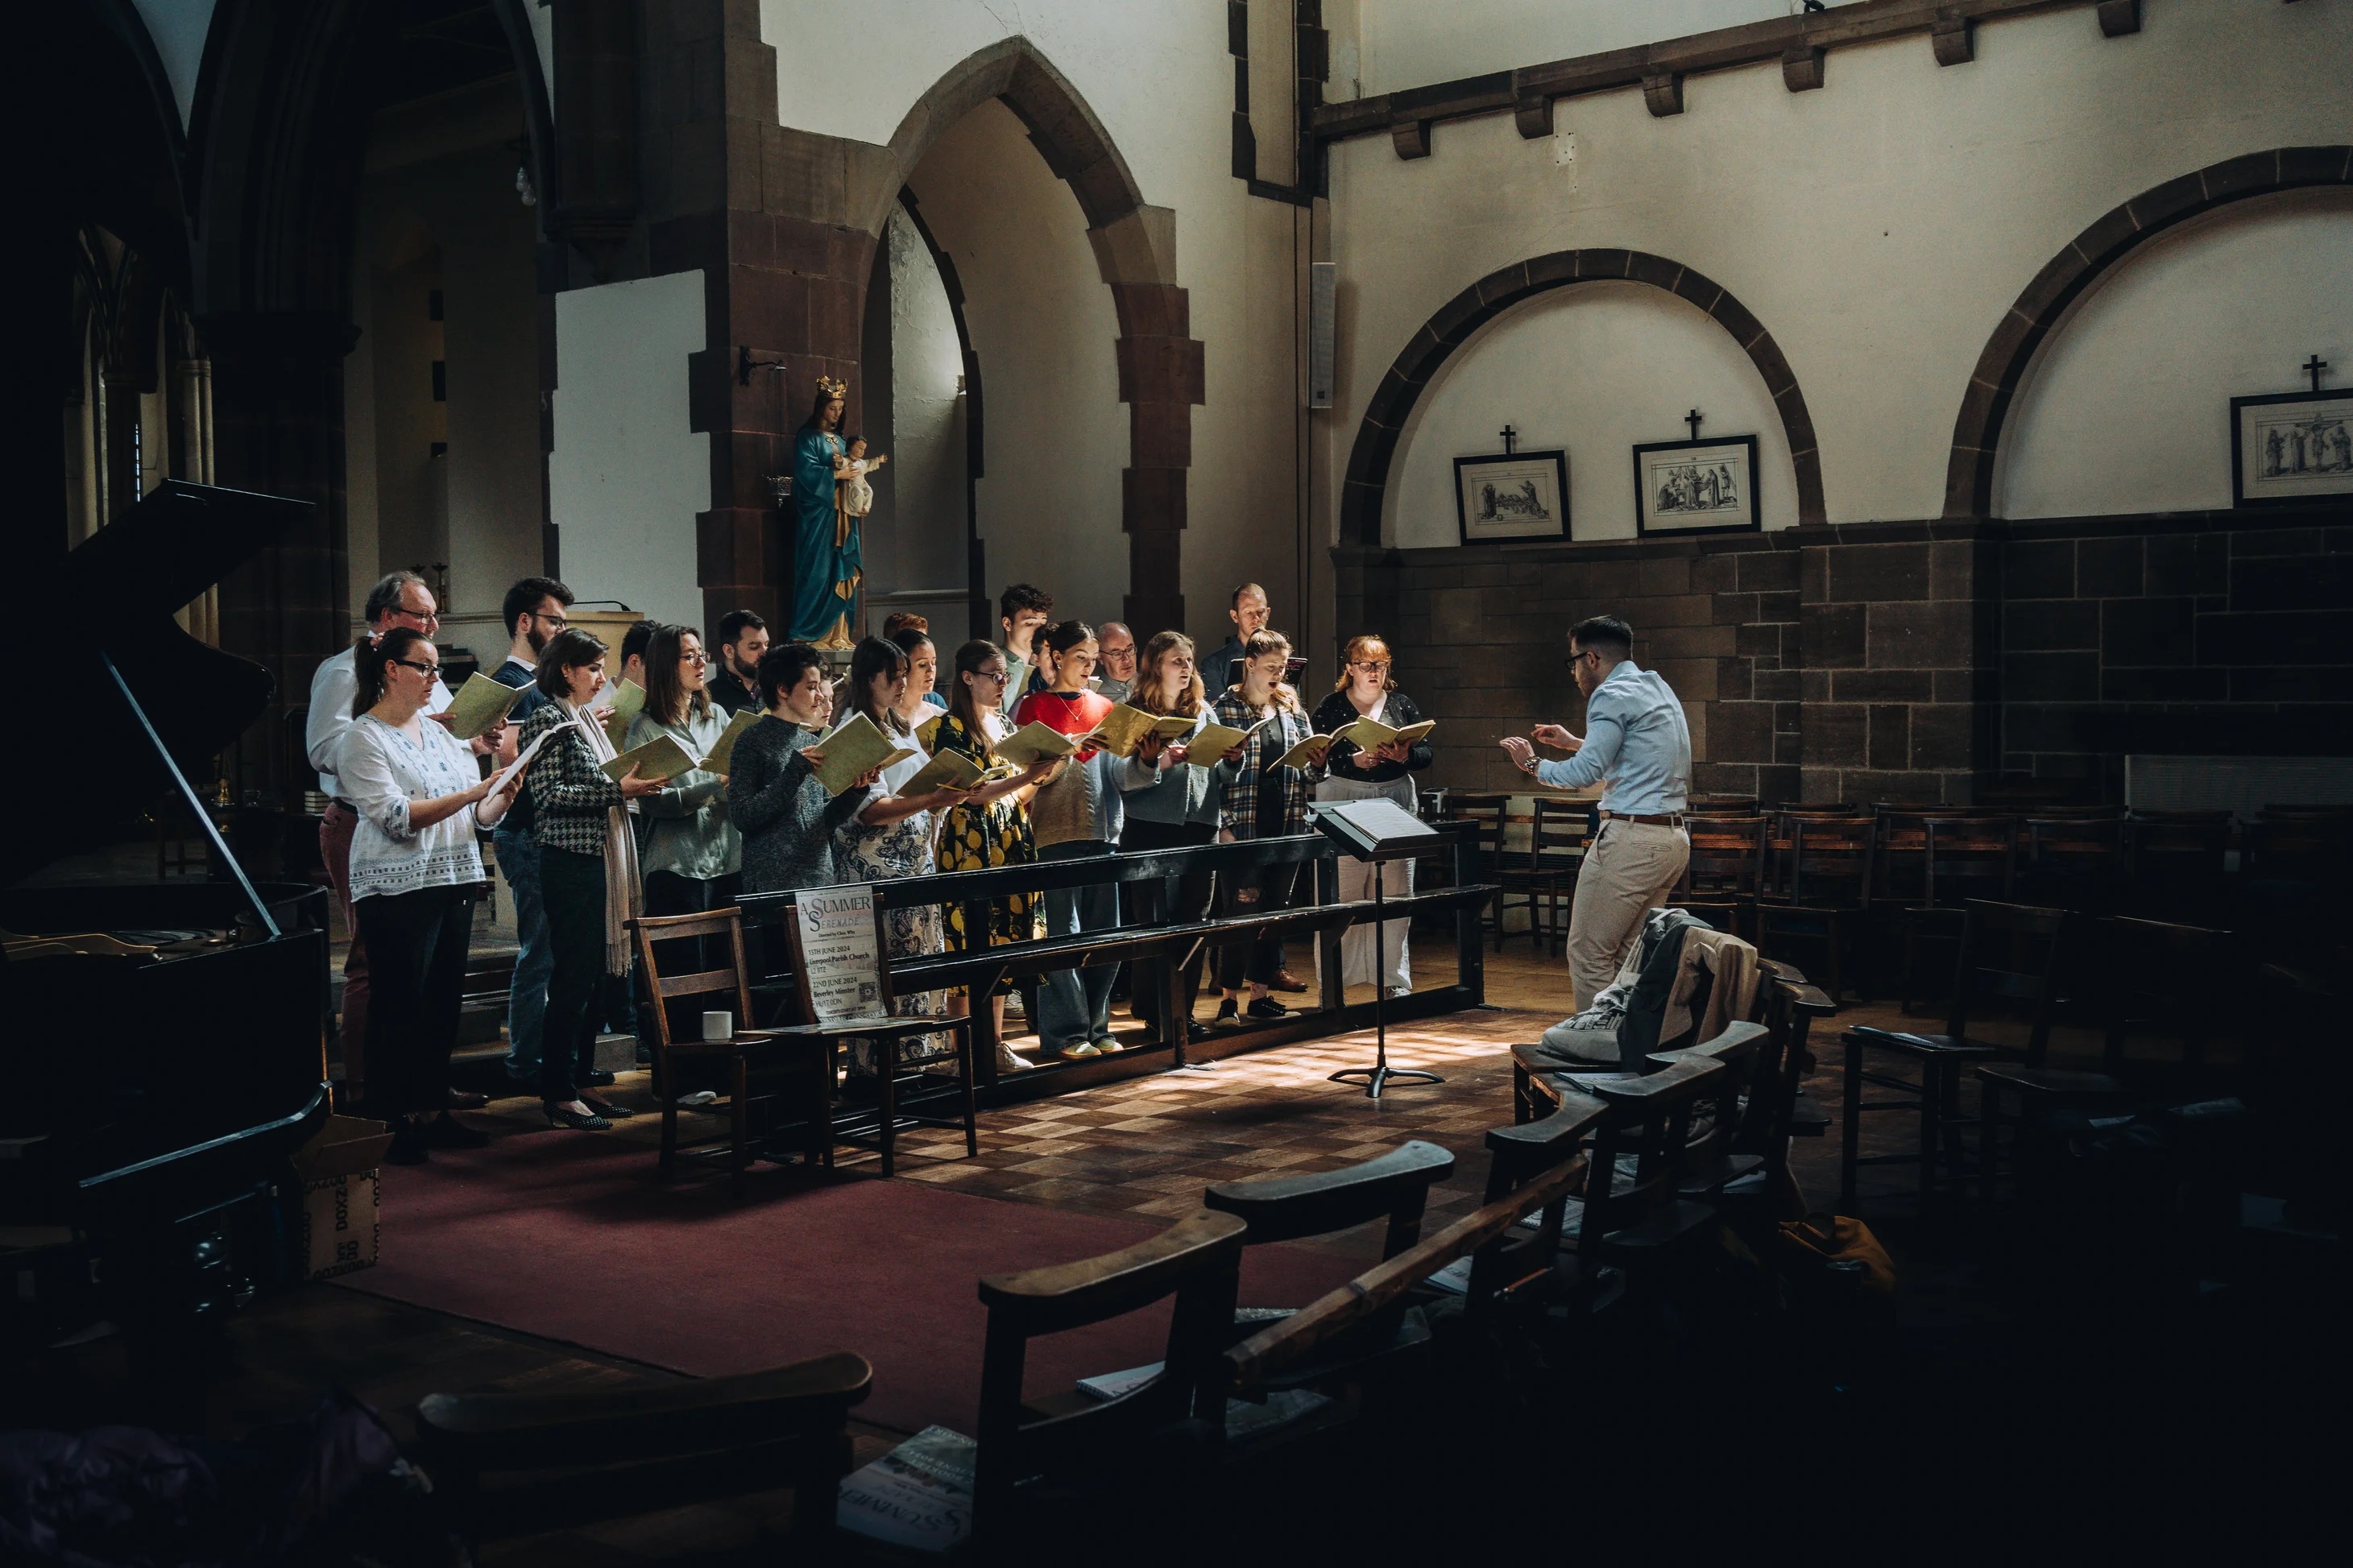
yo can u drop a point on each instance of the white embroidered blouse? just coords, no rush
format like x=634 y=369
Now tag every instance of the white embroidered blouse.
x=382 y=770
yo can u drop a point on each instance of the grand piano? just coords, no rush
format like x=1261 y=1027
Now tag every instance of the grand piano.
x=162 y=1040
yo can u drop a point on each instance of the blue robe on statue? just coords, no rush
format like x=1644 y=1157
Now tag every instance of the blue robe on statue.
x=825 y=545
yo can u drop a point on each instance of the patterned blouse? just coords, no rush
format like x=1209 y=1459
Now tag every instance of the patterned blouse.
x=383 y=771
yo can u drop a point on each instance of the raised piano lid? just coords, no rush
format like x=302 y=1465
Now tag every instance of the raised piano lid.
x=153 y=1084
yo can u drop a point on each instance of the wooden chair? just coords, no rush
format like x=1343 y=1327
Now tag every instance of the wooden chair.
x=1819 y=888
x=2072 y=862
x=1558 y=837
x=1725 y=874
x=1930 y=866
x=739 y=1054
x=1485 y=814
x=1197 y=1260
x=2176 y=861
x=1520 y=1156
x=2164 y=981
x=1392 y=1187
x=1720 y=804
x=509 y=1464
x=886 y=1035
x=2010 y=953
x=1638 y=1222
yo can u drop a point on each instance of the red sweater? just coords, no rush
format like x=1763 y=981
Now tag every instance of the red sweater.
x=1065 y=713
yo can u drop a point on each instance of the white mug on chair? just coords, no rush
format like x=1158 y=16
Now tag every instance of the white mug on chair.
x=718 y=1026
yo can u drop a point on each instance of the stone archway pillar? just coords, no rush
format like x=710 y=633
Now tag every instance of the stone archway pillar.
x=1160 y=378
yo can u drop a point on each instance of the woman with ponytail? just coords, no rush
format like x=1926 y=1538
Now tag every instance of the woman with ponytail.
x=415 y=871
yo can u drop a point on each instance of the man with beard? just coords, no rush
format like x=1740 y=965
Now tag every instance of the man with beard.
x=743 y=638
x=534 y=612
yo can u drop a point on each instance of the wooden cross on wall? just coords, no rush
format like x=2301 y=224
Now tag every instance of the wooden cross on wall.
x=1509 y=435
x=1692 y=419
x=2313 y=367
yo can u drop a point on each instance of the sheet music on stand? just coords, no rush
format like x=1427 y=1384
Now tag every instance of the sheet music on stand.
x=1371 y=830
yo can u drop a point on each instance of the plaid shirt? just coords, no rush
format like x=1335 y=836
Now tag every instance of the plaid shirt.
x=1238 y=806
x=569 y=793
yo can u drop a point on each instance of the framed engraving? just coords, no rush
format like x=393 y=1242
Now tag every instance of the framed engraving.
x=1696 y=487
x=2291 y=447
x=1522 y=496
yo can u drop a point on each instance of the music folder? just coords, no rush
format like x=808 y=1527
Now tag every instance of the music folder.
x=1371 y=829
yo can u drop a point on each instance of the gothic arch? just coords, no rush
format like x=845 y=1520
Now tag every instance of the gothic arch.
x=1364 y=488
x=1160 y=363
x=2001 y=367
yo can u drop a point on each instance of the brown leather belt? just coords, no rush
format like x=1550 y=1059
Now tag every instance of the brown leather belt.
x=1671 y=819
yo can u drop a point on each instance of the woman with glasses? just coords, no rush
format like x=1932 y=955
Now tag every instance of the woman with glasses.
x=415 y=870
x=1350 y=772
x=587 y=870
x=991 y=828
x=688 y=850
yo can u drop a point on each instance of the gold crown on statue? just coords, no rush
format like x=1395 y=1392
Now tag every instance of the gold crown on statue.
x=832 y=388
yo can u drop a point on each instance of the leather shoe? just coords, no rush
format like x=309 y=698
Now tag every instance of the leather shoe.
x=607 y=1108
x=1284 y=982
x=598 y=1077
x=466 y=1100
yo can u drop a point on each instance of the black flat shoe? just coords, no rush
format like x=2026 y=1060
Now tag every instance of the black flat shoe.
x=559 y=1117
x=447 y=1132
x=409 y=1147
x=1228 y=1015
x=1269 y=1008
x=596 y=1078
x=606 y=1108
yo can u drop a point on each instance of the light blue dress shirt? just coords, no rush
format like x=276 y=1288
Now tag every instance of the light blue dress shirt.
x=1637 y=739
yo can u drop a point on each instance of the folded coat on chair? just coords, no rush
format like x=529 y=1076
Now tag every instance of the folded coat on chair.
x=1683 y=982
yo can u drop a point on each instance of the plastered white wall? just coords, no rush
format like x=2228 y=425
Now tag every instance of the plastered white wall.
x=1054 y=433
x=1879 y=228
x=1412 y=43
x=2126 y=407
x=1157 y=75
x=927 y=413
x=627 y=476
x=1590 y=370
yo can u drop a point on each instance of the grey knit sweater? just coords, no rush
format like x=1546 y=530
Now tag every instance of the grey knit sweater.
x=786 y=817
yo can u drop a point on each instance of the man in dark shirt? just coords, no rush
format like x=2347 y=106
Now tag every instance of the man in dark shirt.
x=743 y=638
x=1249 y=616
x=534 y=611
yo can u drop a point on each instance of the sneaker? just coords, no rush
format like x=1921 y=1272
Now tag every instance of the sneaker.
x=1228 y=1015
x=1105 y=1045
x=1269 y=1008
x=1008 y=1062
x=1078 y=1052
x=699 y=1097
x=1398 y=992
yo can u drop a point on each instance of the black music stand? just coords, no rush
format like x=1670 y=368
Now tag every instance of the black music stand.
x=1379 y=831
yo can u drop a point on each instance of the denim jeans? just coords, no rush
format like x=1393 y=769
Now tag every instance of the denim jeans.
x=534 y=960
x=1075 y=1004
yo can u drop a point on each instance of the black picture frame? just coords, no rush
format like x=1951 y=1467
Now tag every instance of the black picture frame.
x=1746 y=517
x=2331 y=411
x=1528 y=468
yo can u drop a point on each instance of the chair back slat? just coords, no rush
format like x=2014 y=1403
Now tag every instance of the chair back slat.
x=2013 y=953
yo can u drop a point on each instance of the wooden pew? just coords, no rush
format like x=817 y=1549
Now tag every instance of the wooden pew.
x=510 y=1465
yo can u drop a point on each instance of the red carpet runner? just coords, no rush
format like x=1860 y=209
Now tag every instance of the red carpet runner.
x=573 y=1238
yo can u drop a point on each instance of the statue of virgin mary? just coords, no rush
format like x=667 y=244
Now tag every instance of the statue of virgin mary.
x=826 y=571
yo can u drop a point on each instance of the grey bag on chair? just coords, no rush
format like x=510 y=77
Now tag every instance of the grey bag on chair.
x=1622 y=1025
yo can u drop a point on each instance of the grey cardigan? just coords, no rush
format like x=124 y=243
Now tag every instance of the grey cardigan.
x=786 y=817
x=1178 y=793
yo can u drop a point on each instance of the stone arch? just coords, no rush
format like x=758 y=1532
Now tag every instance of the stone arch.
x=1363 y=490
x=2001 y=367
x=1160 y=363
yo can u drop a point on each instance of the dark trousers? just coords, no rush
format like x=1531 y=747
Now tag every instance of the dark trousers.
x=1255 y=962
x=668 y=893
x=1173 y=900
x=416 y=943
x=572 y=887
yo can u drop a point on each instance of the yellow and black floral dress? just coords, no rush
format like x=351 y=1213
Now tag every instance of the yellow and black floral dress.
x=984 y=837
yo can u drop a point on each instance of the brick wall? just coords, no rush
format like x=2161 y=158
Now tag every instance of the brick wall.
x=1895 y=661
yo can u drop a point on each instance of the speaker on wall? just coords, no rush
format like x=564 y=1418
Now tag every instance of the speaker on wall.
x=1322 y=280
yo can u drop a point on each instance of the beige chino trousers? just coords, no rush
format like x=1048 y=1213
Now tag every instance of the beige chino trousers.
x=1627 y=872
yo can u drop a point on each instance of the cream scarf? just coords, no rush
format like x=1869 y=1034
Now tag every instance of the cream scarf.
x=625 y=897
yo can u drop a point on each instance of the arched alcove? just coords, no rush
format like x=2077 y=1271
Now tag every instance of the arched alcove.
x=1592 y=371
x=1389 y=416
x=2124 y=407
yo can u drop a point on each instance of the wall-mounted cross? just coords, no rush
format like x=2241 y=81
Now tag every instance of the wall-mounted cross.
x=2313 y=367
x=1509 y=435
x=1692 y=419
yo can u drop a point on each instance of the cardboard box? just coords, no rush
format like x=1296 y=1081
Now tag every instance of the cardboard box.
x=337 y=1171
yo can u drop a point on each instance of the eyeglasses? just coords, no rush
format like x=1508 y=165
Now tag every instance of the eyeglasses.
x=558 y=622
x=431 y=671
x=995 y=676
x=694 y=658
x=423 y=617
x=1573 y=660
x=1368 y=664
